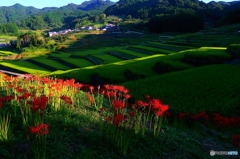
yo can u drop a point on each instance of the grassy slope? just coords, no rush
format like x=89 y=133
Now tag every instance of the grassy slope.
x=140 y=66
x=26 y=67
x=212 y=88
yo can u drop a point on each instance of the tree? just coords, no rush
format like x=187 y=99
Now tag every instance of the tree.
x=31 y=39
x=102 y=16
x=11 y=28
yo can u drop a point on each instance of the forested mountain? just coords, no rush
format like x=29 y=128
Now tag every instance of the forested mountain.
x=50 y=17
x=16 y=12
x=142 y=8
x=149 y=8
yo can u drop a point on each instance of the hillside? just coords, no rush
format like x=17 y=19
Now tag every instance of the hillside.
x=210 y=12
x=138 y=8
x=26 y=17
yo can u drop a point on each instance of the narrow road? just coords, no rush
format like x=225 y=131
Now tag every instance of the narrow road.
x=13 y=73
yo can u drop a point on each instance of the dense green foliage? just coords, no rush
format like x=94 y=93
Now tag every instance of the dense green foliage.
x=33 y=18
x=234 y=50
x=145 y=8
x=8 y=28
x=176 y=23
x=212 y=12
x=32 y=41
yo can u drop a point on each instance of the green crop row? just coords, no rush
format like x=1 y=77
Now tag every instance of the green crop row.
x=212 y=88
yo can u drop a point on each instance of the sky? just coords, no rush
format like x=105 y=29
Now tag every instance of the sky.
x=54 y=3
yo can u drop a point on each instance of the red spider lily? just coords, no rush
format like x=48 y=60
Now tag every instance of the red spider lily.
x=236 y=140
x=159 y=113
x=24 y=96
x=127 y=96
x=183 y=115
x=11 y=85
x=68 y=101
x=118 y=119
x=108 y=119
x=20 y=90
x=110 y=94
x=156 y=104
x=125 y=91
x=147 y=96
x=140 y=103
x=64 y=97
x=89 y=98
x=226 y=122
x=107 y=86
x=75 y=91
x=103 y=109
x=132 y=113
x=41 y=129
x=39 y=103
x=6 y=99
x=87 y=93
x=118 y=105
x=202 y=115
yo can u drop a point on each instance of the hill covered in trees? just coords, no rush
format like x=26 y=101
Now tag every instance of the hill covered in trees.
x=212 y=12
x=50 y=17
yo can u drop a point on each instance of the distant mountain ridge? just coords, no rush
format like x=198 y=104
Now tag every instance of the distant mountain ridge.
x=141 y=8
x=12 y=14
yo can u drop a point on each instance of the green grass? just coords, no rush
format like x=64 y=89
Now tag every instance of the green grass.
x=78 y=62
x=137 y=54
x=26 y=67
x=113 y=71
x=7 y=53
x=169 y=45
x=212 y=88
x=107 y=58
x=153 y=49
x=51 y=63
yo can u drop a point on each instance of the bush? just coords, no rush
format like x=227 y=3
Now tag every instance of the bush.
x=234 y=50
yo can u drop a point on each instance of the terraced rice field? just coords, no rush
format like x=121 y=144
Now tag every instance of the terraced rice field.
x=73 y=58
x=208 y=88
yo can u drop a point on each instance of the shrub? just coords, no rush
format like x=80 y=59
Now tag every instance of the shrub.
x=234 y=50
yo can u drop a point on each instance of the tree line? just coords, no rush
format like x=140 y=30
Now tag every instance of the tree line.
x=8 y=28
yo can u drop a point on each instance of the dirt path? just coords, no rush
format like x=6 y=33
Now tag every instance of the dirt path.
x=13 y=73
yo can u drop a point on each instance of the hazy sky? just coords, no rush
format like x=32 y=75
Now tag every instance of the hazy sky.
x=51 y=3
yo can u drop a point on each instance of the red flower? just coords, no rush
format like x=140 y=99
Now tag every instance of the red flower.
x=202 y=115
x=236 y=140
x=156 y=104
x=6 y=99
x=10 y=85
x=68 y=101
x=41 y=129
x=127 y=96
x=132 y=113
x=118 y=119
x=103 y=109
x=24 y=96
x=140 y=103
x=64 y=98
x=147 y=96
x=125 y=91
x=183 y=115
x=108 y=119
x=110 y=94
x=159 y=113
x=118 y=104
x=39 y=103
